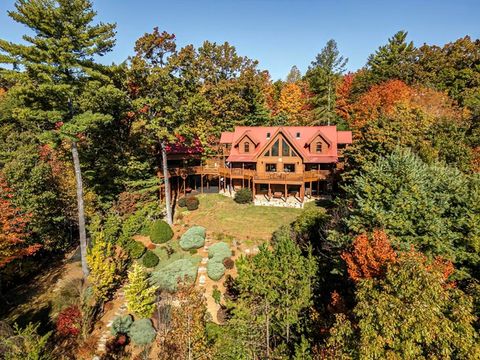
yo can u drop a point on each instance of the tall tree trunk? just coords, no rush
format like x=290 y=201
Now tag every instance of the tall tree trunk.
x=81 y=211
x=166 y=181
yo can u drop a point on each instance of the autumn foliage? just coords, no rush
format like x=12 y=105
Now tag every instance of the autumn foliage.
x=370 y=256
x=69 y=321
x=13 y=228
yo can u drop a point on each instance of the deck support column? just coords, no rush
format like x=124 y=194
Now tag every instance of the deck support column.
x=201 y=183
x=253 y=190
x=184 y=187
x=269 y=192
x=302 y=192
x=286 y=195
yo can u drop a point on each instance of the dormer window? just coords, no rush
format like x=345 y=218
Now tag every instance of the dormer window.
x=318 y=147
x=268 y=135
x=246 y=147
x=298 y=135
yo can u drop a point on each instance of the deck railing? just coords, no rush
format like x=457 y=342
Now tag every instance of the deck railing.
x=310 y=175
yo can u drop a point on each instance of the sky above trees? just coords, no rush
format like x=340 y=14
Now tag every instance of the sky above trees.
x=281 y=33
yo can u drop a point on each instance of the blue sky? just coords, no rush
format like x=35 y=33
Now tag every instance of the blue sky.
x=281 y=33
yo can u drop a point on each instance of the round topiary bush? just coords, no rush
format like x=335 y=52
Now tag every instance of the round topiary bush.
x=219 y=251
x=168 y=277
x=150 y=259
x=160 y=232
x=215 y=270
x=243 y=196
x=193 y=238
x=135 y=249
x=182 y=202
x=228 y=263
x=142 y=332
x=121 y=325
x=192 y=203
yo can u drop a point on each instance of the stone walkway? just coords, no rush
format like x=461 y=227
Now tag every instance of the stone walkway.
x=120 y=311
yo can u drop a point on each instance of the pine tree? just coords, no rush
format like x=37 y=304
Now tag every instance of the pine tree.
x=139 y=293
x=52 y=70
x=323 y=75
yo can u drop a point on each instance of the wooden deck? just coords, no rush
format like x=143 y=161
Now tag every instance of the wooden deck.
x=247 y=174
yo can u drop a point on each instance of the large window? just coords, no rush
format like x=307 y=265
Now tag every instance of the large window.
x=271 y=167
x=318 y=147
x=285 y=148
x=289 y=168
x=246 y=147
x=275 y=147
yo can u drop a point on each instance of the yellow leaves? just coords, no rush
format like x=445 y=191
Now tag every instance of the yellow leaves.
x=138 y=292
x=104 y=269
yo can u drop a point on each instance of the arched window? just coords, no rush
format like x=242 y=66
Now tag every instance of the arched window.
x=246 y=147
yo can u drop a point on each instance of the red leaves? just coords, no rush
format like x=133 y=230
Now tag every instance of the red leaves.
x=370 y=256
x=13 y=228
x=69 y=321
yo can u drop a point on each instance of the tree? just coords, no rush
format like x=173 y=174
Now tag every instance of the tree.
x=164 y=92
x=413 y=312
x=53 y=71
x=185 y=338
x=431 y=206
x=322 y=76
x=263 y=316
x=370 y=256
x=140 y=295
x=395 y=60
x=13 y=228
x=294 y=75
x=105 y=267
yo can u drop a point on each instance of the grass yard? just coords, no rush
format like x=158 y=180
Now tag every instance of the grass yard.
x=223 y=217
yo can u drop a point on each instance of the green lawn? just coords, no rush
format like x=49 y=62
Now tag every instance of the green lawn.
x=225 y=219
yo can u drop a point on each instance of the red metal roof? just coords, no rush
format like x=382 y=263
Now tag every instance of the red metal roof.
x=300 y=142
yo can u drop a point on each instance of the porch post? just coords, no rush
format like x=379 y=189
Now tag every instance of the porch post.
x=286 y=195
x=201 y=182
x=302 y=192
x=184 y=187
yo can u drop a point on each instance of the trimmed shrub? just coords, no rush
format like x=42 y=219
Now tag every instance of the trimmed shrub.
x=160 y=232
x=228 y=263
x=219 y=251
x=215 y=270
x=243 y=196
x=121 y=325
x=182 y=202
x=216 y=294
x=135 y=249
x=192 y=203
x=193 y=238
x=150 y=259
x=168 y=277
x=142 y=332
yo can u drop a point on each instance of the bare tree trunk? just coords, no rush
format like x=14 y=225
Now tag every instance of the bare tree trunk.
x=166 y=181
x=81 y=211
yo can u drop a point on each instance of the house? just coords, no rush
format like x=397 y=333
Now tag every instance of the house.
x=284 y=161
x=278 y=163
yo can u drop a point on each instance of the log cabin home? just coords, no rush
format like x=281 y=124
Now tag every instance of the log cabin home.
x=280 y=164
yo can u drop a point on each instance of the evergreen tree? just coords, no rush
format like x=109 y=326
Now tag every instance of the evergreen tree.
x=272 y=314
x=104 y=266
x=140 y=295
x=51 y=71
x=395 y=60
x=323 y=75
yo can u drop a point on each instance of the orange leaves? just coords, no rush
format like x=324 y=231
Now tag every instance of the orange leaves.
x=343 y=105
x=13 y=232
x=380 y=99
x=370 y=256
